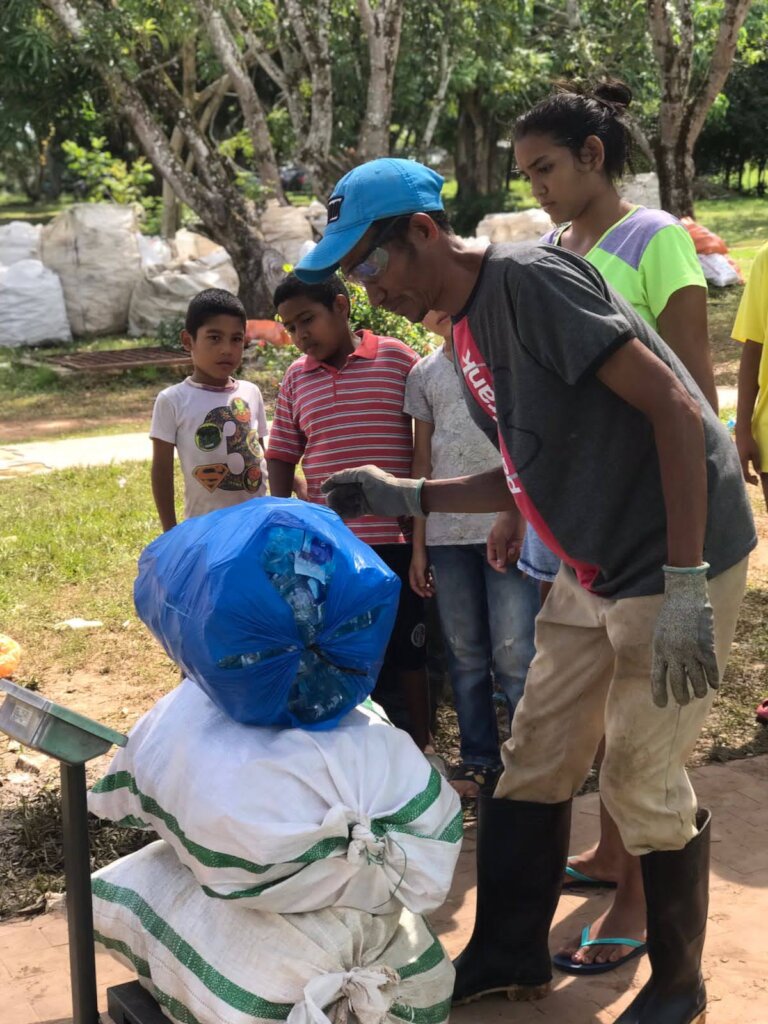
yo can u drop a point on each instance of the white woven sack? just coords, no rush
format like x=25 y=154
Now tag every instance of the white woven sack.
x=31 y=305
x=189 y=245
x=223 y=964
x=286 y=228
x=717 y=270
x=93 y=249
x=154 y=251
x=165 y=291
x=521 y=226
x=19 y=241
x=285 y=819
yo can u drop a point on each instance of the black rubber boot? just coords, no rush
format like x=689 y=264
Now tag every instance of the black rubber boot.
x=521 y=854
x=677 y=899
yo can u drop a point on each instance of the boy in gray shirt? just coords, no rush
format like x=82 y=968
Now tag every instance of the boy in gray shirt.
x=486 y=616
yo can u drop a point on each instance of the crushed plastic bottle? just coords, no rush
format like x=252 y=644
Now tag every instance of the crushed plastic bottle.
x=320 y=689
x=299 y=566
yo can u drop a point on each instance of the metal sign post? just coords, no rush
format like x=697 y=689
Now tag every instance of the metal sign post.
x=72 y=740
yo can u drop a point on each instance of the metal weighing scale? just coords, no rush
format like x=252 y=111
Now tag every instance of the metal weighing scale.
x=73 y=740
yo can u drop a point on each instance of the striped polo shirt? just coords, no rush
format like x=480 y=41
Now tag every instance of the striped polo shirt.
x=334 y=419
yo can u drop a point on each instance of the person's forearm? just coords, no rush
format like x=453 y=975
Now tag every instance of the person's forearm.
x=421 y=466
x=163 y=493
x=679 y=435
x=749 y=368
x=281 y=476
x=484 y=492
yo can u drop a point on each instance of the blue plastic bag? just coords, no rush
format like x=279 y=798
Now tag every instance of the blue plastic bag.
x=273 y=607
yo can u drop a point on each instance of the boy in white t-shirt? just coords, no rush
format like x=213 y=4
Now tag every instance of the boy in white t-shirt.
x=216 y=423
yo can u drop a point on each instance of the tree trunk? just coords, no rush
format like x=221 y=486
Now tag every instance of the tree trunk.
x=171 y=218
x=247 y=252
x=684 y=104
x=382 y=25
x=229 y=217
x=254 y=118
x=674 y=166
x=477 y=171
x=447 y=64
x=313 y=62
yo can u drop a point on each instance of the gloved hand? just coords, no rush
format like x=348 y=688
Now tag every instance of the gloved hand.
x=684 y=638
x=368 y=490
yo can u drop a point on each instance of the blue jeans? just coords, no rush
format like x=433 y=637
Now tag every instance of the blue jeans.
x=487 y=620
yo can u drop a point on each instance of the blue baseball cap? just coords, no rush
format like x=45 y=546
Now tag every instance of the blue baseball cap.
x=381 y=188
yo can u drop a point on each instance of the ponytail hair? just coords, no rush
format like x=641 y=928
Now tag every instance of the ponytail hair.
x=570 y=116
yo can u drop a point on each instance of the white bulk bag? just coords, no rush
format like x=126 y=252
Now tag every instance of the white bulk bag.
x=222 y=964
x=165 y=291
x=286 y=819
x=93 y=249
x=522 y=226
x=154 y=251
x=718 y=270
x=19 y=241
x=31 y=305
x=286 y=228
x=188 y=245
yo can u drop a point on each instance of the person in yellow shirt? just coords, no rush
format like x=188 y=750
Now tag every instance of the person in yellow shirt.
x=751 y=329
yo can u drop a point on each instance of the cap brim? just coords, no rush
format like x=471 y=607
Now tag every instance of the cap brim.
x=325 y=258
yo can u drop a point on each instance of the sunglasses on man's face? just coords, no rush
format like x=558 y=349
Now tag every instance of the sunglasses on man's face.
x=376 y=260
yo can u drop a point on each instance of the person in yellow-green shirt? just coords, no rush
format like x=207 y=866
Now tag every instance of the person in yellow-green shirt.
x=573 y=148
x=751 y=329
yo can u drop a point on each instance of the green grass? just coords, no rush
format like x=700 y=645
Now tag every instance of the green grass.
x=741 y=221
x=13 y=207
x=72 y=532
x=37 y=403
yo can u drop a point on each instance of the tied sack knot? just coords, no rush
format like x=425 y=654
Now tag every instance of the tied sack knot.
x=364 y=994
x=365 y=847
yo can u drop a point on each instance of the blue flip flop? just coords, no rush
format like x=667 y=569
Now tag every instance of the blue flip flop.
x=563 y=962
x=581 y=881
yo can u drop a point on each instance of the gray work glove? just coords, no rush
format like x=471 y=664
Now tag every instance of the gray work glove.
x=368 y=491
x=684 y=638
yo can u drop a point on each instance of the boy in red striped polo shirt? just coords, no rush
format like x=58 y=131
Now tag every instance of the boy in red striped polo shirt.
x=339 y=403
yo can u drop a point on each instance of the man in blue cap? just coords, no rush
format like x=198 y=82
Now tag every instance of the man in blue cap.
x=613 y=453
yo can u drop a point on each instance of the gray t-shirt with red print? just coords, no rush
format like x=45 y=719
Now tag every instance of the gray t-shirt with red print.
x=581 y=462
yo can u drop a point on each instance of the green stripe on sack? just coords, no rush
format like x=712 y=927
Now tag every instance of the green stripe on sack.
x=431 y=957
x=222 y=988
x=210 y=858
x=416 y=806
x=396 y=822
x=179 y=1010
x=422 y=1014
x=139 y=964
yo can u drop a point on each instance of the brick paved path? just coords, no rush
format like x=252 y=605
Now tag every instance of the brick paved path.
x=34 y=965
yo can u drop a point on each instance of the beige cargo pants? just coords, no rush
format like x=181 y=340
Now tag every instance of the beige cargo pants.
x=591 y=677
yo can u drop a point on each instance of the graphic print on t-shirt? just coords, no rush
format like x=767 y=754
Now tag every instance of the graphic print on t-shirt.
x=230 y=424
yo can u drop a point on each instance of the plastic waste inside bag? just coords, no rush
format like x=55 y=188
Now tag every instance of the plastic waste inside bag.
x=273 y=607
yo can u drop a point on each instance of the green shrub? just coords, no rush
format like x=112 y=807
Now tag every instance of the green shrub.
x=106 y=178
x=364 y=315
x=169 y=332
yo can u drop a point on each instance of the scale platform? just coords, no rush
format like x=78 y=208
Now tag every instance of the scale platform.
x=132 y=1004
x=38 y=723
